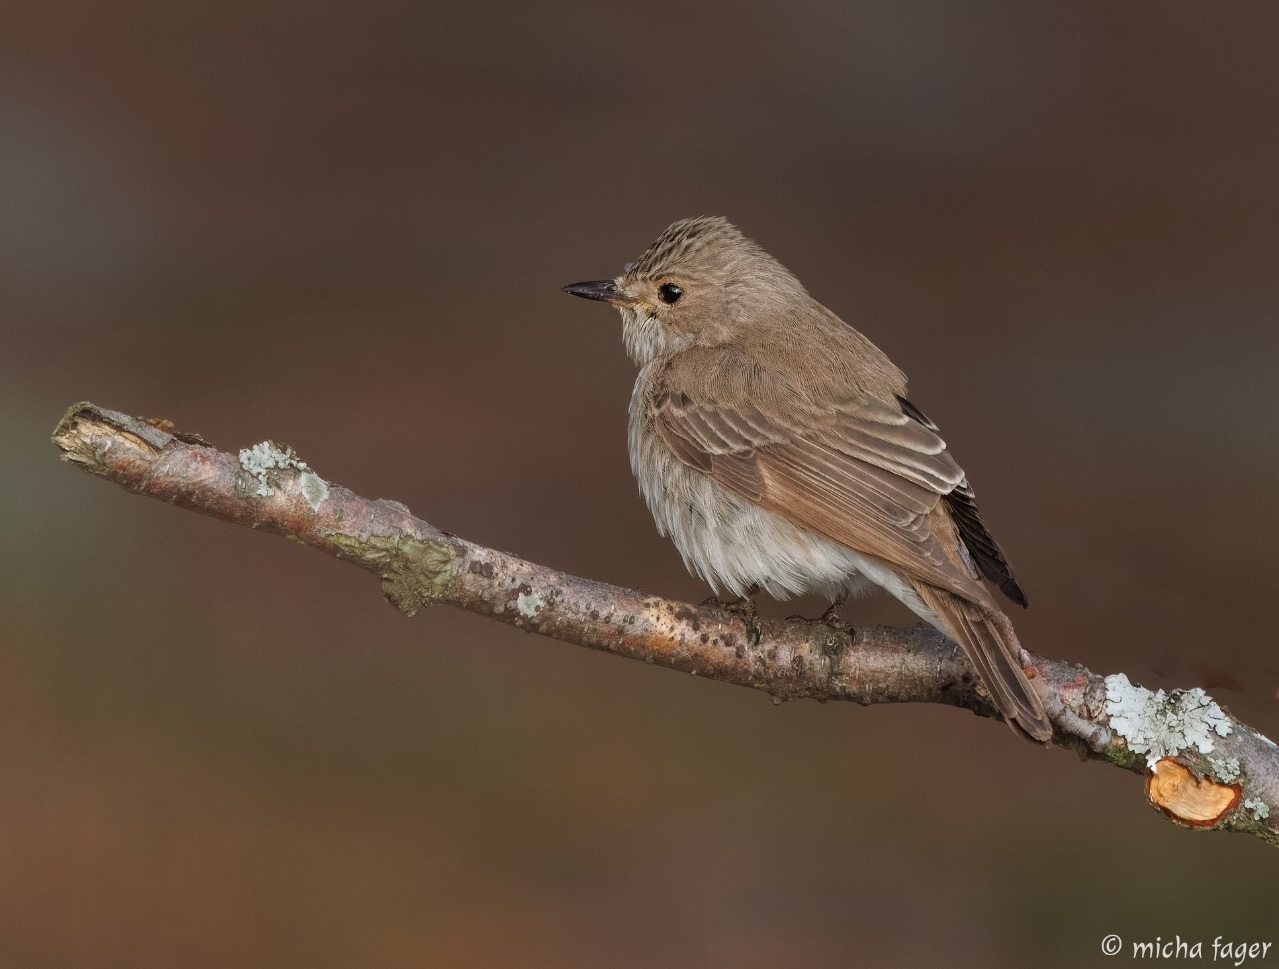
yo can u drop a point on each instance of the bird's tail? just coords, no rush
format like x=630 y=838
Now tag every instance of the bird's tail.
x=991 y=646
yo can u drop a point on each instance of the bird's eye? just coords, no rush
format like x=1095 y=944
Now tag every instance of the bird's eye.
x=669 y=293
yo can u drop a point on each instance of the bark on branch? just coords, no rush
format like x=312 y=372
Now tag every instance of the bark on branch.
x=1203 y=767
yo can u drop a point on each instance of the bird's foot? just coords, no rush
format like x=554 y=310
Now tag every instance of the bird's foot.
x=744 y=609
x=830 y=617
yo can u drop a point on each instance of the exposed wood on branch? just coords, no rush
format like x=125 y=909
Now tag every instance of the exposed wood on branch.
x=1200 y=802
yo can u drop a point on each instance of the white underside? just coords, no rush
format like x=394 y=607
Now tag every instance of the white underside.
x=735 y=545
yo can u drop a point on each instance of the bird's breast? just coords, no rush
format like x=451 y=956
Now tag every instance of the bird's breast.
x=723 y=538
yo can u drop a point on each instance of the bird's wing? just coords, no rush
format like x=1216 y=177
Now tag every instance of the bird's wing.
x=863 y=474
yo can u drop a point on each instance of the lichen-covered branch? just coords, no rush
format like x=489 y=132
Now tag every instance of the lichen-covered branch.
x=1203 y=767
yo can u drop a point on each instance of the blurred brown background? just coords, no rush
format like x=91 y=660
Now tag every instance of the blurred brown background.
x=344 y=227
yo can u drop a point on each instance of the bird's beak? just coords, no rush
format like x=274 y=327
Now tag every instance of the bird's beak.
x=601 y=289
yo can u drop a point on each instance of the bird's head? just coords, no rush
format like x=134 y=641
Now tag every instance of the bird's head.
x=699 y=284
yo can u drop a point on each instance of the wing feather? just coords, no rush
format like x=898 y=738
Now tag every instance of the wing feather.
x=858 y=496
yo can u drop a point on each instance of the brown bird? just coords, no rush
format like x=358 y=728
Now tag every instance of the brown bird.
x=775 y=446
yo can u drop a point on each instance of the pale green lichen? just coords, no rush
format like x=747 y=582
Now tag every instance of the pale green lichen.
x=529 y=604
x=314 y=489
x=1226 y=769
x=1161 y=724
x=1260 y=810
x=262 y=460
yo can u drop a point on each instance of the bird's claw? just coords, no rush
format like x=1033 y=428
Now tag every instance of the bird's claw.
x=744 y=609
x=830 y=617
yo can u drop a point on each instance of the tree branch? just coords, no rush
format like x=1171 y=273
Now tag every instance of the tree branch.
x=1203 y=767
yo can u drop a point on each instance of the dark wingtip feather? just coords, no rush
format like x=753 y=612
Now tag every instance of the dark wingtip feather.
x=1008 y=585
x=987 y=555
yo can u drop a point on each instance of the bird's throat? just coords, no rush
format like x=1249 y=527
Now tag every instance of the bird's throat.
x=645 y=337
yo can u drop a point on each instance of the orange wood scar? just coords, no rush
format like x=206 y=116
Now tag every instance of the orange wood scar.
x=1174 y=789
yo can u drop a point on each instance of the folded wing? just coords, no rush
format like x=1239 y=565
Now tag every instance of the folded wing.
x=875 y=477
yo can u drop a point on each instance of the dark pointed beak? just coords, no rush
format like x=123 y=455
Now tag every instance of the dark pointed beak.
x=601 y=289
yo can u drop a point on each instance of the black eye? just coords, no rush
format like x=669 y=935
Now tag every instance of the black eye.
x=669 y=293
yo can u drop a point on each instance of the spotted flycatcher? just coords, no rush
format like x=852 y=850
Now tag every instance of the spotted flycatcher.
x=775 y=446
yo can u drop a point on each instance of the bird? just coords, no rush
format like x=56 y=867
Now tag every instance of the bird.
x=776 y=447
